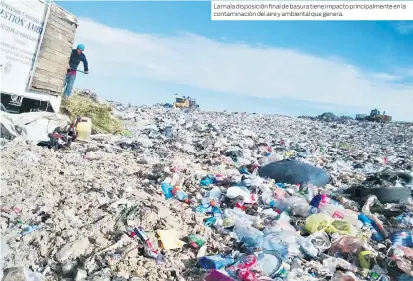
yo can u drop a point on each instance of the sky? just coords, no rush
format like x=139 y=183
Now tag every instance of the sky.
x=145 y=52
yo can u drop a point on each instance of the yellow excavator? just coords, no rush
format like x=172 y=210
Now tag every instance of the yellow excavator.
x=185 y=103
x=375 y=116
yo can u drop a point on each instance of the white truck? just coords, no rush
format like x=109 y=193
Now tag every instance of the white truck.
x=36 y=39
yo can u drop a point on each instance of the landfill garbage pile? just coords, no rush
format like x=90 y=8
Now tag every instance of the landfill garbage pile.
x=211 y=196
x=328 y=117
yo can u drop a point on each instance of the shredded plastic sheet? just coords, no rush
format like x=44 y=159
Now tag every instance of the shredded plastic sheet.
x=34 y=126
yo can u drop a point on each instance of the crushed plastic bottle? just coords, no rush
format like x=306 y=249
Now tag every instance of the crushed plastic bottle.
x=215 y=262
x=405 y=219
x=180 y=194
x=371 y=225
x=302 y=208
x=247 y=234
x=167 y=190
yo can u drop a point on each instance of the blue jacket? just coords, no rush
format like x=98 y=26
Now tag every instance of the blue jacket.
x=75 y=59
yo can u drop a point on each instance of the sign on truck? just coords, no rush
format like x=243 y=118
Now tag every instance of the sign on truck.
x=36 y=39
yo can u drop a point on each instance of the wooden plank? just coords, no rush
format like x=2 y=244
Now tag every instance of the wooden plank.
x=58 y=39
x=57 y=45
x=39 y=85
x=55 y=51
x=69 y=25
x=51 y=66
x=52 y=27
x=56 y=57
x=60 y=76
x=56 y=10
x=49 y=80
x=59 y=33
x=58 y=24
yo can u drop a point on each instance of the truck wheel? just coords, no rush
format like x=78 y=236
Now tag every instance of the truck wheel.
x=384 y=194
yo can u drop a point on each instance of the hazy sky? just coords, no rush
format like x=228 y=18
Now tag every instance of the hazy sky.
x=145 y=52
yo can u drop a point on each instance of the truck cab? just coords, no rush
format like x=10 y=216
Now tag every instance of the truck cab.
x=374 y=112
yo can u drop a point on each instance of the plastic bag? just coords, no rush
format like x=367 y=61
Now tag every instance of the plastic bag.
x=318 y=222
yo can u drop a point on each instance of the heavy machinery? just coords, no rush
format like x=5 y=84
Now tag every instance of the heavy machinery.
x=185 y=103
x=375 y=116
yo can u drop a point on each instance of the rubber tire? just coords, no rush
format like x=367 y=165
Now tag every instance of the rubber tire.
x=384 y=194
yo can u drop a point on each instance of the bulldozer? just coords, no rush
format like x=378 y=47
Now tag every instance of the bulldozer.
x=185 y=103
x=375 y=116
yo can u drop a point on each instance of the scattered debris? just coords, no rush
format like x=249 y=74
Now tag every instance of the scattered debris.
x=117 y=208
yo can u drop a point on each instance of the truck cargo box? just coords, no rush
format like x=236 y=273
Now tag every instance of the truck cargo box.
x=36 y=39
x=54 y=53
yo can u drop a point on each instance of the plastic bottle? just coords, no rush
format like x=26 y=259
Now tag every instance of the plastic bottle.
x=265 y=188
x=320 y=200
x=330 y=264
x=207 y=181
x=270 y=213
x=196 y=241
x=405 y=277
x=268 y=200
x=215 y=193
x=308 y=248
x=341 y=214
x=247 y=234
x=371 y=225
x=167 y=190
x=303 y=209
x=239 y=215
x=236 y=191
x=180 y=194
x=217 y=212
x=295 y=204
x=215 y=262
x=406 y=219
x=402 y=238
x=283 y=222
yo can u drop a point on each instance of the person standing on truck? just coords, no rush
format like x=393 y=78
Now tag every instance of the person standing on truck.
x=76 y=57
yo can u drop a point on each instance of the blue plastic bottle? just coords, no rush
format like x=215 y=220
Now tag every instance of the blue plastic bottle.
x=217 y=212
x=215 y=262
x=181 y=195
x=405 y=277
x=167 y=190
x=375 y=235
x=402 y=238
x=207 y=181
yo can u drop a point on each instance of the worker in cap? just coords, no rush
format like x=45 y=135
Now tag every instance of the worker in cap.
x=76 y=57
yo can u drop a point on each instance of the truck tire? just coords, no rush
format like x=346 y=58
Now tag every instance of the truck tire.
x=384 y=194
